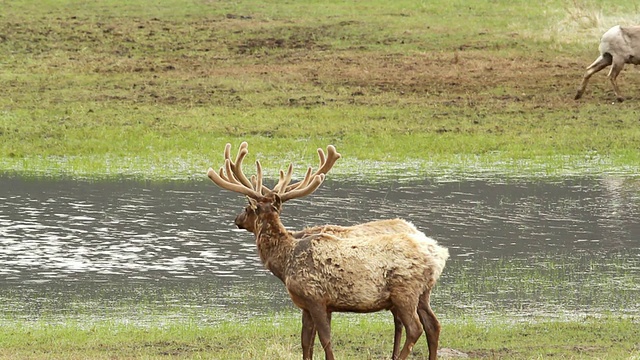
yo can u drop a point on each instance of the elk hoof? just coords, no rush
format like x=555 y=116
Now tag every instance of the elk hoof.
x=620 y=99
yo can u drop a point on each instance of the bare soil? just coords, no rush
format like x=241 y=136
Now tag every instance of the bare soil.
x=160 y=61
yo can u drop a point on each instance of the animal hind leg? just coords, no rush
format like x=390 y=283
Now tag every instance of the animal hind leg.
x=601 y=62
x=430 y=323
x=616 y=68
x=409 y=317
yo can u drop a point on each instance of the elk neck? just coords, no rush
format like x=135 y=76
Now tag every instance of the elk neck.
x=274 y=242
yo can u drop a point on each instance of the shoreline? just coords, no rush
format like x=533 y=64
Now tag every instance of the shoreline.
x=457 y=168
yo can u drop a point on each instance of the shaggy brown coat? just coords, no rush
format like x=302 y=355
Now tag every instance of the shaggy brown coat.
x=324 y=273
x=246 y=220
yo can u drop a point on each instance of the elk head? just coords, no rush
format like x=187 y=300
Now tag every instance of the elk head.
x=263 y=200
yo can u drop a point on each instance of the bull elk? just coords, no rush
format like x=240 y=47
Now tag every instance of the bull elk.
x=384 y=265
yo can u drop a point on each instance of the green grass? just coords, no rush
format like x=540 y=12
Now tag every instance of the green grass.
x=354 y=337
x=154 y=89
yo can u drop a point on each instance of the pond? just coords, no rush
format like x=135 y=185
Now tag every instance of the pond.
x=137 y=250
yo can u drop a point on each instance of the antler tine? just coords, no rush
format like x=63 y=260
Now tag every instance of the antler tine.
x=231 y=177
x=228 y=182
x=253 y=181
x=225 y=174
x=284 y=180
x=306 y=180
x=228 y=167
x=258 y=185
x=303 y=190
x=236 y=166
x=227 y=151
x=222 y=174
x=326 y=163
x=321 y=155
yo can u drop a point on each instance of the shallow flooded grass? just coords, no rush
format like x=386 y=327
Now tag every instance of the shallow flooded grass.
x=487 y=291
x=562 y=288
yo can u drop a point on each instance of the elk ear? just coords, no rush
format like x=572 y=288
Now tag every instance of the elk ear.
x=253 y=204
x=277 y=202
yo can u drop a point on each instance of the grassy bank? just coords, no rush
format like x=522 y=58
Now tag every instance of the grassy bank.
x=354 y=337
x=154 y=89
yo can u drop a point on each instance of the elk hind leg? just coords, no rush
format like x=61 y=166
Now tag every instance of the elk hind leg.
x=601 y=62
x=618 y=65
x=430 y=323
x=409 y=317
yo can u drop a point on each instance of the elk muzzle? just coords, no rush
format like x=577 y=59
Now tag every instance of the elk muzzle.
x=246 y=220
x=240 y=221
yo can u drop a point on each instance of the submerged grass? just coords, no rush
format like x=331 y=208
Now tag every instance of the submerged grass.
x=354 y=337
x=559 y=289
x=155 y=89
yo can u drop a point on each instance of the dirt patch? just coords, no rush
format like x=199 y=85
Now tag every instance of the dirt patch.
x=256 y=45
x=371 y=78
x=239 y=60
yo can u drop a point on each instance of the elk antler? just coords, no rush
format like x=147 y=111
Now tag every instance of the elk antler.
x=236 y=166
x=310 y=182
x=231 y=177
x=226 y=180
x=326 y=163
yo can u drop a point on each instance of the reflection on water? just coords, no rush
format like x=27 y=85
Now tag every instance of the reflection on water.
x=72 y=247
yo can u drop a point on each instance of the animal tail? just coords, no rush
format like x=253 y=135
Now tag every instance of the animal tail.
x=441 y=254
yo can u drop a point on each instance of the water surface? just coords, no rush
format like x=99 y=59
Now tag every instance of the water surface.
x=132 y=249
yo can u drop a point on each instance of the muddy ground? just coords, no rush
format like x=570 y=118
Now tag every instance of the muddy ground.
x=238 y=61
